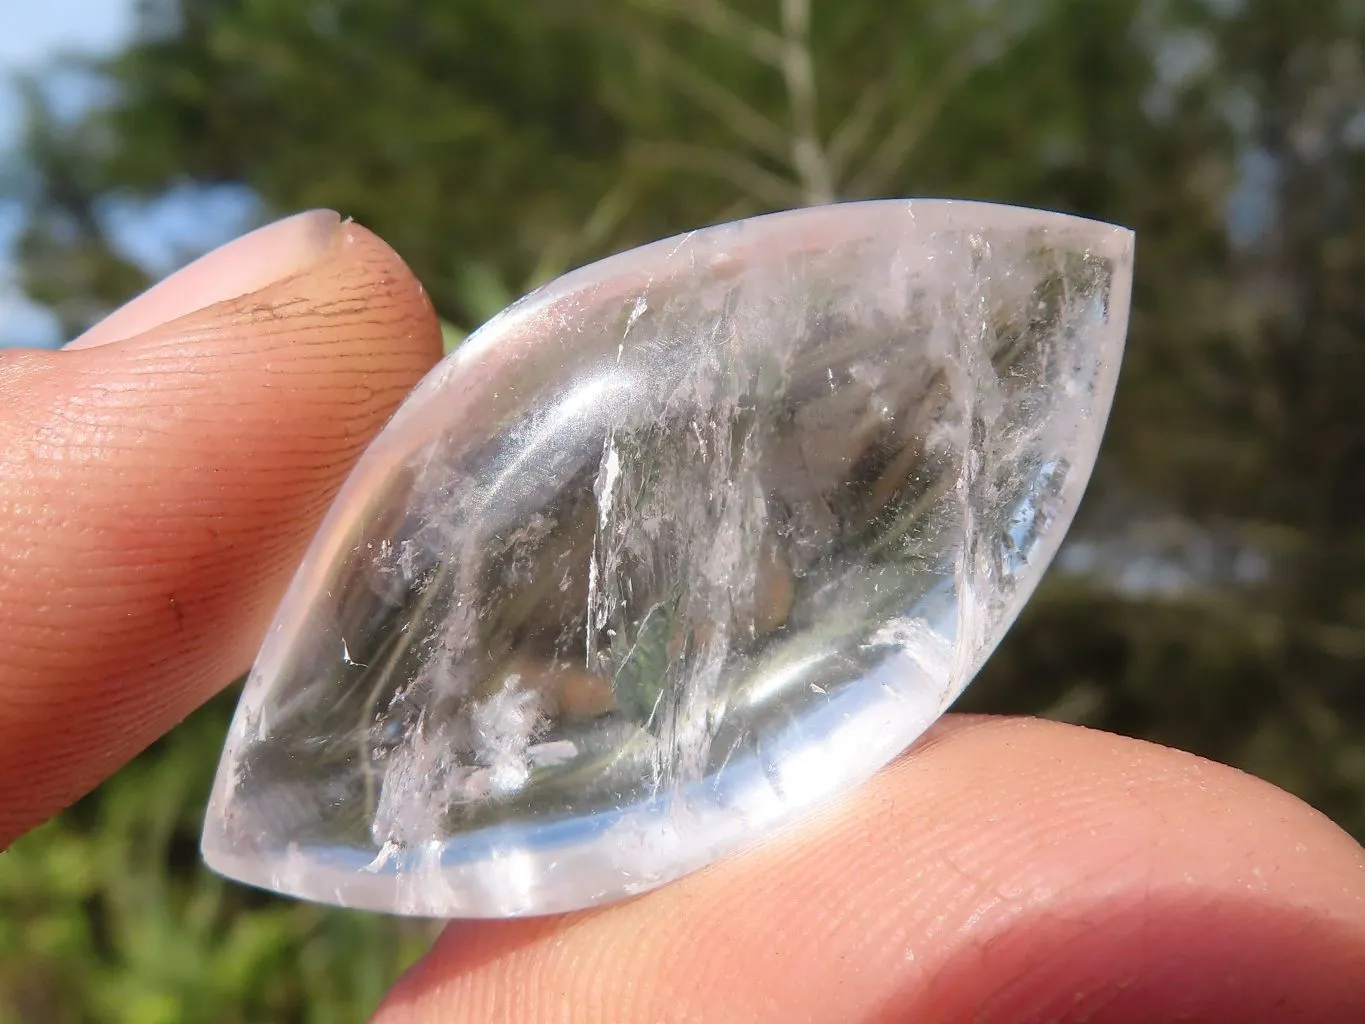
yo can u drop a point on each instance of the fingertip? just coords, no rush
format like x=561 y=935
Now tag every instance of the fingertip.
x=157 y=491
x=1005 y=871
x=247 y=264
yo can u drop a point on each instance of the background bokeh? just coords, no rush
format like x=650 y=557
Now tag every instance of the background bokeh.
x=1212 y=595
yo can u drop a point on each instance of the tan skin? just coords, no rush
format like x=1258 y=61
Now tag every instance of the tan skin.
x=157 y=484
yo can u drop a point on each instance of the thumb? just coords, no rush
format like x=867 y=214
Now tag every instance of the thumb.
x=160 y=477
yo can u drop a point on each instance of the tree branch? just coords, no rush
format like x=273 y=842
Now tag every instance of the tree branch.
x=742 y=119
x=720 y=20
x=798 y=72
x=763 y=186
x=853 y=133
x=910 y=130
x=558 y=257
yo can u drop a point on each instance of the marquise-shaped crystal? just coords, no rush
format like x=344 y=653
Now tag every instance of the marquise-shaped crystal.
x=677 y=546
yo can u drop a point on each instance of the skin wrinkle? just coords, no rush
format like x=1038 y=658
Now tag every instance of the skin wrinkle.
x=1047 y=968
x=1193 y=963
x=205 y=450
x=1047 y=973
x=109 y=587
x=142 y=451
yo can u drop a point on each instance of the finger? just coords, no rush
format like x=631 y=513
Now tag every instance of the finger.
x=1007 y=871
x=156 y=492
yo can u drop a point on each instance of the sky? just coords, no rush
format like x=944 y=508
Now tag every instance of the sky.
x=158 y=236
x=32 y=33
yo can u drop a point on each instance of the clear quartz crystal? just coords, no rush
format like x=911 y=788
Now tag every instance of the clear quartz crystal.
x=672 y=549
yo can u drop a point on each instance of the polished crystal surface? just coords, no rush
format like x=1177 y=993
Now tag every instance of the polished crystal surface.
x=674 y=548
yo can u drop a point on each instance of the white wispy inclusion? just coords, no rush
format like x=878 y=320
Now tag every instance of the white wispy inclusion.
x=670 y=550
x=604 y=491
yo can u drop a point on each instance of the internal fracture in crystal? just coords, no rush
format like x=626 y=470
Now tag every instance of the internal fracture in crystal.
x=670 y=551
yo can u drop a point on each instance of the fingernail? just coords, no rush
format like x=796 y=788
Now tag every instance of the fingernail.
x=243 y=265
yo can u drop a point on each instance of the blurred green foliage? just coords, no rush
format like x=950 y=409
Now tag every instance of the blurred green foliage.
x=1213 y=595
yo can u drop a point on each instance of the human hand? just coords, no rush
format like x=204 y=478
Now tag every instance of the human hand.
x=158 y=481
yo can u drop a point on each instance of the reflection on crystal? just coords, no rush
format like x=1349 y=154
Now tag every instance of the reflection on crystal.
x=670 y=550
